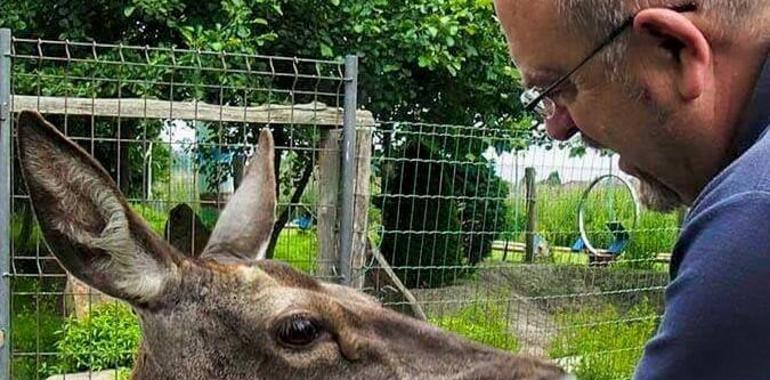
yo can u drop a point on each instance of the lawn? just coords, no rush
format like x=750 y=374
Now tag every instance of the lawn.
x=557 y=223
x=604 y=344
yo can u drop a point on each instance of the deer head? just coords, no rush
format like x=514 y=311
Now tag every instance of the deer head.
x=228 y=314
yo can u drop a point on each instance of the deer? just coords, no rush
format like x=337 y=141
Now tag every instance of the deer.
x=228 y=313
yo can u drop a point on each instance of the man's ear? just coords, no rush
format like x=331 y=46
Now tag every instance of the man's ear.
x=86 y=222
x=683 y=47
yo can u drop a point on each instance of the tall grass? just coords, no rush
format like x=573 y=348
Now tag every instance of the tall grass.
x=483 y=322
x=604 y=344
x=557 y=220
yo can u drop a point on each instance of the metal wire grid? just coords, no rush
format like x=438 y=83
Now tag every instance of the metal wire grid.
x=160 y=161
x=423 y=176
x=470 y=274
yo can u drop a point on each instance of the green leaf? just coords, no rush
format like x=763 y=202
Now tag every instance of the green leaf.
x=326 y=50
x=433 y=31
x=129 y=10
x=260 y=21
x=424 y=61
x=336 y=3
x=358 y=28
x=390 y=68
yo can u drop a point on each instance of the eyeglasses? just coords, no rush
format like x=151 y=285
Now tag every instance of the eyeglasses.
x=539 y=100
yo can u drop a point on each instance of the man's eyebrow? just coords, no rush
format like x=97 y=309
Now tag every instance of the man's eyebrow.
x=539 y=78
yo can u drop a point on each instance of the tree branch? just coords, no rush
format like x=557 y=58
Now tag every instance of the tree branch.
x=280 y=223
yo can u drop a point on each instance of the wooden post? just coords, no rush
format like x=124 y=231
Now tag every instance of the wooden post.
x=529 y=253
x=361 y=206
x=505 y=250
x=328 y=203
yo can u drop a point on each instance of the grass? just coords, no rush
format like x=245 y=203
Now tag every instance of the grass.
x=605 y=344
x=297 y=248
x=557 y=220
x=483 y=322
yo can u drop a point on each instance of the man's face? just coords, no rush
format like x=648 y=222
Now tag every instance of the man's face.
x=607 y=114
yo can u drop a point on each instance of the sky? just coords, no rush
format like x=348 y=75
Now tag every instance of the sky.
x=511 y=166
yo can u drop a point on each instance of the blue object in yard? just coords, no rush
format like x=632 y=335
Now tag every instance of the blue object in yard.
x=579 y=245
x=538 y=240
x=304 y=222
x=621 y=238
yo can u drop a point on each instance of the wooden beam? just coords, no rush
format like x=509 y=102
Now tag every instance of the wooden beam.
x=139 y=108
x=361 y=206
x=416 y=308
x=328 y=203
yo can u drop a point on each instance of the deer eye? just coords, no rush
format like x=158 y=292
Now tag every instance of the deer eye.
x=298 y=331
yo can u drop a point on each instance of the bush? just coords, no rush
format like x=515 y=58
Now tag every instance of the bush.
x=440 y=212
x=33 y=326
x=420 y=228
x=485 y=323
x=607 y=343
x=107 y=338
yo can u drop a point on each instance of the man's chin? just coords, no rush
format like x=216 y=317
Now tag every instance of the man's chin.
x=657 y=197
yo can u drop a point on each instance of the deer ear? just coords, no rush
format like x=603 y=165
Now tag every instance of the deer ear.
x=185 y=230
x=85 y=220
x=245 y=225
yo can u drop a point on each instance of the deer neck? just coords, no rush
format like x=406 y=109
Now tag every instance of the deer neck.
x=145 y=368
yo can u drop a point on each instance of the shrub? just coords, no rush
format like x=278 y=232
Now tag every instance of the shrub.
x=107 y=338
x=485 y=323
x=33 y=326
x=421 y=224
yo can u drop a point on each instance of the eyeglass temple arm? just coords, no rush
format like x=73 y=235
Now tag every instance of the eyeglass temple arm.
x=532 y=104
x=689 y=7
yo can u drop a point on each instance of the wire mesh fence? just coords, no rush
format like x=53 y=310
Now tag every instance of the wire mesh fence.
x=452 y=209
x=173 y=128
x=474 y=228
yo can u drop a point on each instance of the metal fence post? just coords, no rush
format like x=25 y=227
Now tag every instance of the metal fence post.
x=5 y=202
x=349 y=156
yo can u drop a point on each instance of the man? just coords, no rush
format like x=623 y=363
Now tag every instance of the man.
x=681 y=91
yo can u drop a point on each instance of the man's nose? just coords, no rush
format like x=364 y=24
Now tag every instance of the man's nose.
x=560 y=126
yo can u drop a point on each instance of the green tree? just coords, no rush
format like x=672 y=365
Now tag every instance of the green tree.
x=437 y=61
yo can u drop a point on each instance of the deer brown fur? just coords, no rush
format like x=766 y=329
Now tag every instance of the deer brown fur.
x=229 y=314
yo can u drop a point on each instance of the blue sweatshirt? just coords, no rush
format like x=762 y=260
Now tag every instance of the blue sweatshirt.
x=716 y=323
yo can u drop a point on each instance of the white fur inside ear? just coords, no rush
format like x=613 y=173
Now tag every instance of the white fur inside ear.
x=80 y=193
x=262 y=249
